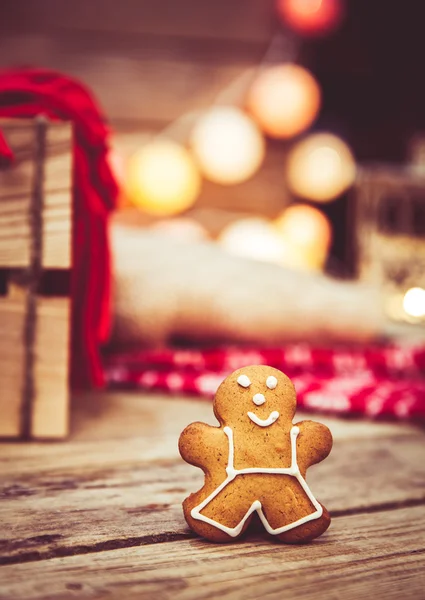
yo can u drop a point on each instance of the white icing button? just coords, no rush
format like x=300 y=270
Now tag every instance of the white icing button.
x=258 y=399
x=244 y=381
x=271 y=382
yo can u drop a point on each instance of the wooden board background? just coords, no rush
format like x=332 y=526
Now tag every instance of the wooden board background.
x=146 y=61
x=150 y=63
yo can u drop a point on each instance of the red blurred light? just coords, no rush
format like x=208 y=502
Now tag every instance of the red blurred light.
x=311 y=17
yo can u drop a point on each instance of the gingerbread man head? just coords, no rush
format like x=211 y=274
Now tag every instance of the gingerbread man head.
x=256 y=397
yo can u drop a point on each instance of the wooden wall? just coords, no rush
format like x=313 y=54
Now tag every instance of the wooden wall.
x=147 y=61
x=151 y=61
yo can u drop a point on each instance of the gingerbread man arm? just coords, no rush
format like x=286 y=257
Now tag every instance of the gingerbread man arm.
x=313 y=444
x=202 y=445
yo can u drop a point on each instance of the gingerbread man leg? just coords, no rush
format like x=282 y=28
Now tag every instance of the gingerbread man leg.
x=307 y=532
x=289 y=503
x=209 y=532
x=225 y=515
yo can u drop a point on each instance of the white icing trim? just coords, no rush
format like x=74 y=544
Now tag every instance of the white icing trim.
x=271 y=382
x=244 y=381
x=256 y=505
x=264 y=422
x=259 y=399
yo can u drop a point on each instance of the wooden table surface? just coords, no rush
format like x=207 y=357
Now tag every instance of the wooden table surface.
x=99 y=516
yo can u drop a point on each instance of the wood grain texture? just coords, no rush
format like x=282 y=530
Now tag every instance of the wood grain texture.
x=137 y=499
x=379 y=555
x=49 y=416
x=12 y=313
x=122 y=482
x=15 y=193
x=50 y=411
x=100 y=516
x=48 y=404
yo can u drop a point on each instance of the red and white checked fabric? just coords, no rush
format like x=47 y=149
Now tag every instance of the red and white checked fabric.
x=378 y=381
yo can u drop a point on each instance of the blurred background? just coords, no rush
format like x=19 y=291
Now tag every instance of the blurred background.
x=286 y=131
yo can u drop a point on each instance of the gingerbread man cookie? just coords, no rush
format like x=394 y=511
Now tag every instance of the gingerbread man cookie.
x=255 y=462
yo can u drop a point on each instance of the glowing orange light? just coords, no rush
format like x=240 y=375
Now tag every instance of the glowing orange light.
x=414 y=302
x=284 y=100
x=311 y=17
x=308 y=232
x=320 y=167
x=228 y=145
x=163 y=178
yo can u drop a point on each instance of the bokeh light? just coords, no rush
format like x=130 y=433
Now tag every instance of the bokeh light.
x=311 y=18
x=414 y=302
x=181 y=229
x=284 y=100
x=228 y=145
x=320 y=167
x=253 y=238
x=308 y=232
x=162 y=178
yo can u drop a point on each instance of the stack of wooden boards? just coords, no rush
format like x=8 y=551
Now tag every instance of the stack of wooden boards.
x=35 y=262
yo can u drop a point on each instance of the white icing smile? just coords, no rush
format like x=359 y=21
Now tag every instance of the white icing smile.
x=264 y=422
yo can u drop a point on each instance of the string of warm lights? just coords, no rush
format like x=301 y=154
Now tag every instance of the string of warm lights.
x=226 y=144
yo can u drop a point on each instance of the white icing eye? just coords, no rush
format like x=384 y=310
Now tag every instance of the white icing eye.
x=244 y=381
x=271 y=382
x=258 y=399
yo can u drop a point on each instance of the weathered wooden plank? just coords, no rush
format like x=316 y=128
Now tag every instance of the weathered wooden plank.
x=379 y=555
x=247 y=20
x=57 y=230
x=16 y=180
x=71 y=496
x=15 y=196
x=49 y=416
x=12 y=313
x=62 y=511
x=50 y=411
